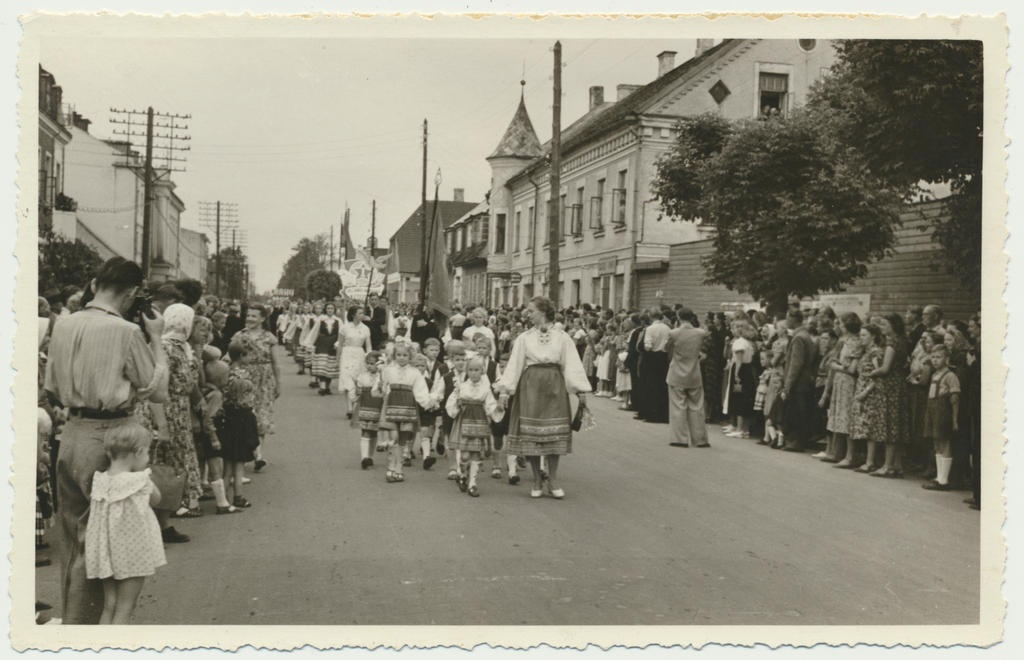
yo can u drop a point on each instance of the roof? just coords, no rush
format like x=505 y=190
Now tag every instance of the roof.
x=471 y=254
x=483 y=208
x=520 y=140
x=609 y=115
x=407 y=240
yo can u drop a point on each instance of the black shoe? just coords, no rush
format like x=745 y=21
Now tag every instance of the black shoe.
x=513 y=480
x=40 y=606
x=440 y=449
x=678 y=444
x=259 y=465
x=313 y=384
x=406 y=462
x=935 y=485
x=428 y=462
x=791 y=448
x=366 y=462
x=171 y=535
x=638 y=416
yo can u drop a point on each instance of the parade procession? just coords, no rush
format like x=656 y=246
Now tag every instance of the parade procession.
x=507 y=348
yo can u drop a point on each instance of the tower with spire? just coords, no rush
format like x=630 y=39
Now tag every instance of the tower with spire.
x=517 y=148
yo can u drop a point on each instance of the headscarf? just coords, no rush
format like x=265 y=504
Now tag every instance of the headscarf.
x=178 y=321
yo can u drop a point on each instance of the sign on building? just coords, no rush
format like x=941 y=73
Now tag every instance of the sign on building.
x=841 y=303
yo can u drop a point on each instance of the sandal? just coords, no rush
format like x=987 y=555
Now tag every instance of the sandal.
x=221 y=510
x=389 y=477
x=453 y=475
x=473 y=491
x=463 y=483
x=865 y=469
x=399 y=477
x=496 y=473
x=241 y=502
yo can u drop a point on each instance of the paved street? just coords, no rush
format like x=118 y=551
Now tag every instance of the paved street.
x=648 y=534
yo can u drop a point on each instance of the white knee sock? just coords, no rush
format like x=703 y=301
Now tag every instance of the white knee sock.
x=425 y=447
x=943 y=466
x=219 y=492
x=474 y=470
x=364 y=447
x=510 y=461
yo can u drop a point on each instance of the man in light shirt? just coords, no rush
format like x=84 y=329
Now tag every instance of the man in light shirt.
x=656 y=367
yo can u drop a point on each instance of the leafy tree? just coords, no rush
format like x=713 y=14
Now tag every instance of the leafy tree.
x=63 y=262
x=791 y=216
x=914 y=111
x=322 y=284
x=308 y=254
x=679 y=182
x=234 y=266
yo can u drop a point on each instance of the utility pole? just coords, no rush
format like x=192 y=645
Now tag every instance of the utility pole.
x=330 y=264
x=423 y=223
x=373 y=227
x=554 y=204
x=169 y=123
x=218 y=216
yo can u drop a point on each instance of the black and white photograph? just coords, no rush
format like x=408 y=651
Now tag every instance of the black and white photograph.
x=510 y=331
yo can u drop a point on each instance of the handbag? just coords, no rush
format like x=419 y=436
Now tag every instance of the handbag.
x=577 y=419
x=170 y=484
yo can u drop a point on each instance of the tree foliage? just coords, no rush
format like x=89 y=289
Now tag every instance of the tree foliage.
x=914 y=111
x=308 y=254
x=233 y=273
x=322 y=285
x=679 y=184
x=63 y=262
x=791 y=217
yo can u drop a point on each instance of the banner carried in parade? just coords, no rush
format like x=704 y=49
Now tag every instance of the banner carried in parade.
x=363 y=275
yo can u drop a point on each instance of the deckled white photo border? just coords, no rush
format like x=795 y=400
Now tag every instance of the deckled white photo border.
x=992 y=30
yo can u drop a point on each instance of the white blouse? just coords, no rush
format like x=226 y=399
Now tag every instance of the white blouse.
x=480 y=391
x=411 y=377
x=532 y=347
x=355 y=335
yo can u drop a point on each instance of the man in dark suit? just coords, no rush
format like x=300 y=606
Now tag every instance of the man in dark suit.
x=634 y=345
x=798 y=384
x=377 y=322
x=234 y=322
x=685 y=387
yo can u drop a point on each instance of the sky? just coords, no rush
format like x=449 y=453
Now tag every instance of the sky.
x=292 y=130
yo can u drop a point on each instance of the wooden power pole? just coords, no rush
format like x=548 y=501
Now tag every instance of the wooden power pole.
x=554 y=205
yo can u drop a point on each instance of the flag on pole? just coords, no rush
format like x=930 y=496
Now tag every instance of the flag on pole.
x=346 y=239
x=439 y=296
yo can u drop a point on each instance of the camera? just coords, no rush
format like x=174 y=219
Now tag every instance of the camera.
x=143 y=304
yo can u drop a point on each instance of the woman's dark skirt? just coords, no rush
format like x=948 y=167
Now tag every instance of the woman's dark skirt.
x=539 y=418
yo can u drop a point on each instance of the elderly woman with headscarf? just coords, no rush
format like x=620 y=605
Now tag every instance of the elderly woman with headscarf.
x=172 y=420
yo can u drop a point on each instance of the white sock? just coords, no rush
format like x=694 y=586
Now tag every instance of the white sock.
x=425 y=447
x=510 y=461
x=219 y=493
x=474 y=470
x=364 y=447
x=944 y=465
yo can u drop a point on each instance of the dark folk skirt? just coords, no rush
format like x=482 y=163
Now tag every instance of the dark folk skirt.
x=539 y=418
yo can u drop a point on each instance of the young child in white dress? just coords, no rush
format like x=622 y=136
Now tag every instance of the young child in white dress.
x=404 y=389
x=473 y=407
x=122 y=538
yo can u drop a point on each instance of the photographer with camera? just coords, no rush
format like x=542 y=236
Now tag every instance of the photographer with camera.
x=102 y=361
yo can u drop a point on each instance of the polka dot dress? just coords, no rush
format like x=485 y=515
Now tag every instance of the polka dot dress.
x=122 y=538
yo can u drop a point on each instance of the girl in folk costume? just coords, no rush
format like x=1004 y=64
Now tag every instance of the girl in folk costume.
x=293 y=333
x=366 y=400
x=456 y=374
x=404 y=389
x=354 y=345
x=325 y=352
x=543 y=370
x=307 y=341
x=473 y=407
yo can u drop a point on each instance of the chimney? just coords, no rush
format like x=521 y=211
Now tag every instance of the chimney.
x=622 y=91
x=80 y=121
x=702 y=46
x=666 y=62
x=459 y=195
x=596 y=96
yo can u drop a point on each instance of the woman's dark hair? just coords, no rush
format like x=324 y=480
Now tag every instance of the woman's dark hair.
x=259 y=308
x=544 y=306
x=896 y=321
x=851 y=323
x=191 y=291
x=119 y=274
x=876 y=333
x=350 y=314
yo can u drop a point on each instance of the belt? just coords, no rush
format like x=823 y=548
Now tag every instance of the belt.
x=92 y=413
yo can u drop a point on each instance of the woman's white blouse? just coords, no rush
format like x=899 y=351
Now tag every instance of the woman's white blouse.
x=530 y=349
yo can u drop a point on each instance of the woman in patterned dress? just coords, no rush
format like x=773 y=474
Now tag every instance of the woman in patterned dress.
x=840 y=395
x=890 y=382
x=543 y=370
x=172 y=420
x=868 y=418
x=264 y=372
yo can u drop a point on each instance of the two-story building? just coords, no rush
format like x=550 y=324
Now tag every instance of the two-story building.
x=611 y=231
x=466 y=244
x=406 y=245
x=193 y=254
x=53 y=141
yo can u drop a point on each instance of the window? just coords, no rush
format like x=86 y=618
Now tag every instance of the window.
x=575 y=300
x=547 y=222
x=619 y=200
x=499 y=233
x=516 y=228
x=484 y=229
x=773 y=90
x=563 y=224
x=576 y=220
x=807 y=45
x=719 y=92
x=596 y=208
x=531 y=219
x=462 y=237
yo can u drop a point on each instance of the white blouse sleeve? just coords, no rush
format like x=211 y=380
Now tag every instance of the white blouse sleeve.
x=491 y=407
x=420 y=391
x=572 y=368
x=452 y=406
x=516 y=364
